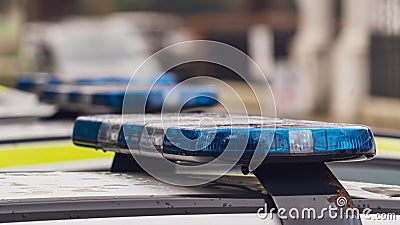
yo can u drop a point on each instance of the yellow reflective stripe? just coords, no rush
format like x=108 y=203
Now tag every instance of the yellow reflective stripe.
x=387 y=144
x=4 y=89
x=62 y=151
x=46 y=152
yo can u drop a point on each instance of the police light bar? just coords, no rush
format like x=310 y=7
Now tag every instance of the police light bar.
x=36 y=82
x=291 y=140
x=110 y=98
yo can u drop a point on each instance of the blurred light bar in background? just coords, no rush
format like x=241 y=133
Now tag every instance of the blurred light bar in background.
x=110 y=98
x=106 y=94
x=36 y=82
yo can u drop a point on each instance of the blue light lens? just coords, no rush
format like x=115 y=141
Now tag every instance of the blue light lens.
x=49 y=96
x=290 y=138
x=86 y=131
x=26 y=83
x=31 y=83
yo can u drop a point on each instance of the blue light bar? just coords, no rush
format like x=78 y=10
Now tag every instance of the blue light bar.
x=110 y=98
x=165 y=79
x=295 y=139
x=35 y=82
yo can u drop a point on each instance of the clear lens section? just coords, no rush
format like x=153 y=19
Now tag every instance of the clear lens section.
x=301 y=141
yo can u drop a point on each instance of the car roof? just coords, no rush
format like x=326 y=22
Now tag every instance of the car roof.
x=65 y=195
x=12 y=131
x=54 y=185
x=42 y=196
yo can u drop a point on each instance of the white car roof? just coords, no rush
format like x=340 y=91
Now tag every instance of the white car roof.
x=33 y=185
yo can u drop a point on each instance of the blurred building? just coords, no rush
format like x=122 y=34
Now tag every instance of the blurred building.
x=330 y=59
x=11 y=21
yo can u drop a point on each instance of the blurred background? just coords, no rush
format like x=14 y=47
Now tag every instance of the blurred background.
x=331 y=60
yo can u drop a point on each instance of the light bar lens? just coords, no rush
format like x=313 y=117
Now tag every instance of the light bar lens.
x=290 y=138
x=112 y=97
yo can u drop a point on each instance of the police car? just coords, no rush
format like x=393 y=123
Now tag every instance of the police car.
x=291 y=185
